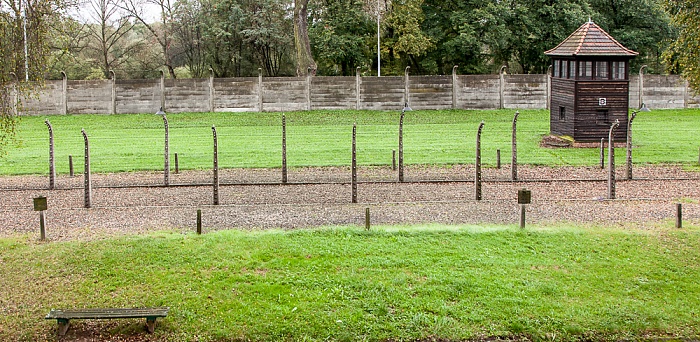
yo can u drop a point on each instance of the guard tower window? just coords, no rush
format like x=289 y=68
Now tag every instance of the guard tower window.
x=618 y=70
x=572 y=69
x=562 y=113
x=585 y=70
x=601 y=70
x=602 y=117
x=556 y=68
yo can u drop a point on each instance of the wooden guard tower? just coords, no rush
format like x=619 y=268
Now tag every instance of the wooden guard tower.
x=590 y=85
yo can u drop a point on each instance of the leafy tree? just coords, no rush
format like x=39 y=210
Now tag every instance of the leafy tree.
x=267 y=33
x=38 y=15
x=640 y=25
x=405 y=38
x=684 y=53
x=341 y=36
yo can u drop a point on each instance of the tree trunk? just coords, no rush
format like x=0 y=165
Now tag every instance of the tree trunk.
x=301 y=39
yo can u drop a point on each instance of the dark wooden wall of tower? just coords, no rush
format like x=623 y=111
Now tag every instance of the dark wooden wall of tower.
x=590 y=122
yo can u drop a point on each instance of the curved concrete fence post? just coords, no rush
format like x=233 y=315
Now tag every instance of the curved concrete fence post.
x=611 y=159
x=113 y=105
x=455 y=87
x=215 y=182
x=88 y=181
x=477 y=167
x=64 y=94
x=514 y=149
x=52 y=160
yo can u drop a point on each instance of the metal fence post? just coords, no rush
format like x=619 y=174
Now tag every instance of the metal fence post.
x=52 y=160
x=354 y=163
x=477 y=168
x=629 y=145
x=216 y=167
x=514 y=149
x=611 y=160
x=166 y=161
x=88 y=183
x=284 y=149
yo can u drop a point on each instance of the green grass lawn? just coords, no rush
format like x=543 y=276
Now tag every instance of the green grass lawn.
x=454 y=282
x=322 y=138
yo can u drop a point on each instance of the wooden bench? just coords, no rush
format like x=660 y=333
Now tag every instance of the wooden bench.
x=63 y=317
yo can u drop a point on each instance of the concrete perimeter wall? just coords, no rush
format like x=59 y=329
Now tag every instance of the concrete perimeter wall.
x=342 y=92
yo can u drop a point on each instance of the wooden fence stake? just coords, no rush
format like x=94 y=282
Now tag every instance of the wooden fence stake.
x=199 y=221
x=679 y=215
x=367 y=220
x=393 y=160
x=498 y=159
x=42 y=226
x=70 y=166
x=522 y=216
x=602 y=153
x=177 y=164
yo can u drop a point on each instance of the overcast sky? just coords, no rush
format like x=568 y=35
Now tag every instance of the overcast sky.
x=83 y=12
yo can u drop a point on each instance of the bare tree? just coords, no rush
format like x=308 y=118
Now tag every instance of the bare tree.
x=162 y=30
x=109 y=34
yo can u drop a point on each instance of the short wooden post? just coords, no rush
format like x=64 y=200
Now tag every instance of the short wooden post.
x=477 y=168
x=166 y=154
x=177 y=164
x=498 y=159
x=52 y=161
x=611 y=160
x=393 y=160
x=42 y=226
x=401 y=146
x=199 y=221
x=88 y=183
x=354 y=163
x=215 y=181
x=284 y=149
x=367 y=220
x=70 y=166
x=522 y=216
x=602 y=153
x=514 y=149
x=679 y=215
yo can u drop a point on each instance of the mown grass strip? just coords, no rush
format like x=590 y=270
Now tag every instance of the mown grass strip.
x=453 y=282
x=322 y=138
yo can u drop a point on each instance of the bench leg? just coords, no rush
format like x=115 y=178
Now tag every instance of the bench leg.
x=63 y=325
x=151 y=324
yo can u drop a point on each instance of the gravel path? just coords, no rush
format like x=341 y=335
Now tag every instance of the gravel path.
x=121 y=210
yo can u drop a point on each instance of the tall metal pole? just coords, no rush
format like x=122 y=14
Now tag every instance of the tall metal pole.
x=379 y=49
x=26 y=42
